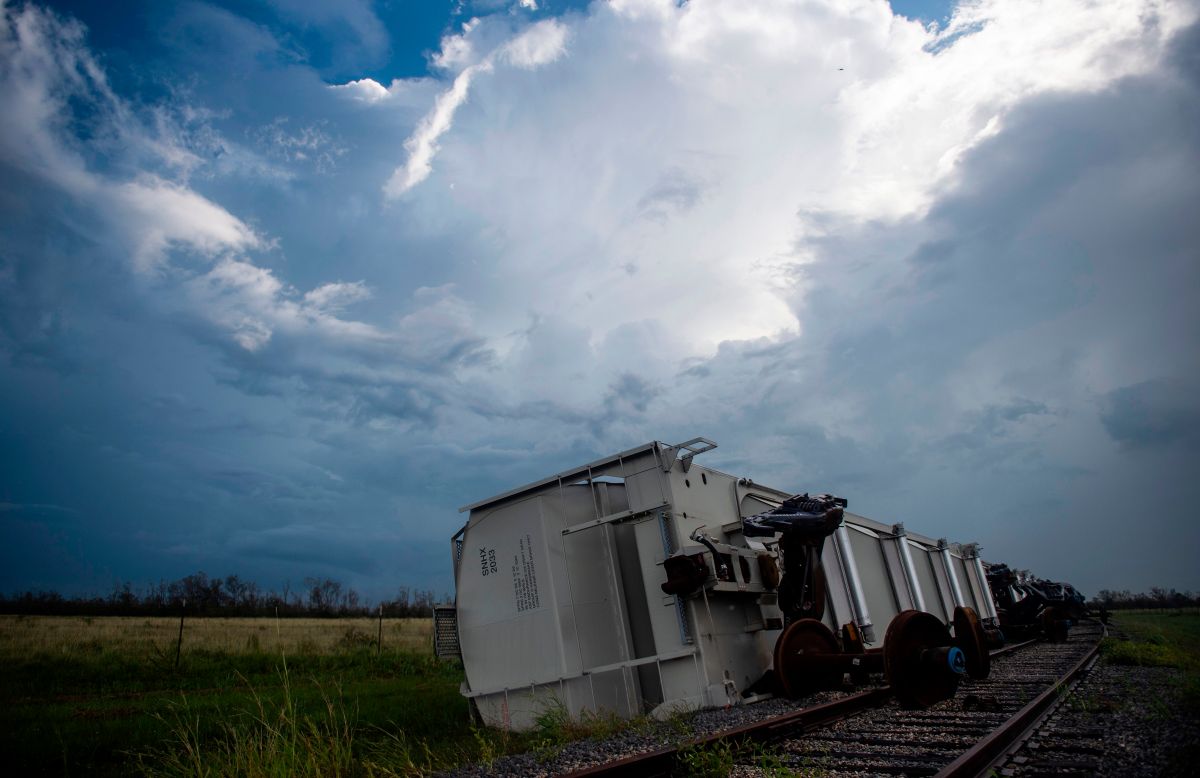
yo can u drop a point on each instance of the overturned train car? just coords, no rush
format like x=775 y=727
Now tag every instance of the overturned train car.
x=1028 y=607
x=645 y=582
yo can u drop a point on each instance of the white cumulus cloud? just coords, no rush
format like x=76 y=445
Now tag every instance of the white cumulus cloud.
x=676 y=161
x=422 y=145
x=337 y=295
x=540 y=44
x=366 y=90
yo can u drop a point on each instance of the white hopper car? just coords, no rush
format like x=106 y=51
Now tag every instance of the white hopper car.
x=560 y=597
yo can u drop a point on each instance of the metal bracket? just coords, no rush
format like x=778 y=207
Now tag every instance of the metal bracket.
x=612 y=518
x=690 y=448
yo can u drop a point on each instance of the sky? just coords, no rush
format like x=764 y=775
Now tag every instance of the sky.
x=284 y=283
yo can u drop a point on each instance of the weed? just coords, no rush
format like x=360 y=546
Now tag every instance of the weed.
x=678 y=724
x=396 y=755
x=1092 y=704
x=555 y=726
x=1158 y=709
x=489 y=750
x=768 y=760
x=1190 y=693
x=354 y=638
x=1139 y=653
x=714 y=760
x=553 y=722
x=270 y=740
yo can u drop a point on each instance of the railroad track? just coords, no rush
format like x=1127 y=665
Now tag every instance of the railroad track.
x=870 y=734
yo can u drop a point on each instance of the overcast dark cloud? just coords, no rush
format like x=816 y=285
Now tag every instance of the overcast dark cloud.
x=268 y=309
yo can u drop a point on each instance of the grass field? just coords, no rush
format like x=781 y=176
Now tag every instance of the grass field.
x=1165 y=639
x=67 y=635
x=102 y=696
x=266 y=697
x=1160 y=639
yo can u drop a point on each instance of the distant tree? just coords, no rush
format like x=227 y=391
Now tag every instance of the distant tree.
x=122 y=599
x=324 y=595
x=231 y=595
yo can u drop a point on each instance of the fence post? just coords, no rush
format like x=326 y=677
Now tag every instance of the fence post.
x=179 y=643
x=379 y=642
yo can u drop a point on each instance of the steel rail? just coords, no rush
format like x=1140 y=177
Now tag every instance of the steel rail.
x=662 y=761
x=1008 y=649
x=979 y=759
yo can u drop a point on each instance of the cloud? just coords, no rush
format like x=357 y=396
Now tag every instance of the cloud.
x=48 y=78
x=674 y=191
x=338 y=295
x=942 y=271
x=310 y=544
x=540 y=44
x=422 y=144
x=1153 y=414
x=458 y=51
x=352 y=26
x=366 y=90
x=34 y=509
x=151 y=216
x=713 y=129
x=310 y=144
x=157 y=215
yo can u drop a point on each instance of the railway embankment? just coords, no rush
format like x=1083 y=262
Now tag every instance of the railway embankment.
x=1132 y=709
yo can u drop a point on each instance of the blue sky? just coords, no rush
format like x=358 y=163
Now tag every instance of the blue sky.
x=284 y=283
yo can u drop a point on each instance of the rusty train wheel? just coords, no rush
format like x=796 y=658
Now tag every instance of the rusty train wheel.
x=918 y=657
x=803 y=638
x=970 y=637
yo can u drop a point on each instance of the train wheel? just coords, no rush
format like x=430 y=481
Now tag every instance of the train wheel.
x=920 y=661
x=971 y=638
x=806 y=637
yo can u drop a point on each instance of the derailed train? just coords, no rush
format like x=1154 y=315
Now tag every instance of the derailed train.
x=1030 y=606
x=644 y=582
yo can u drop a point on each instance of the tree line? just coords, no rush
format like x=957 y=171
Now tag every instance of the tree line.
x=198 y=594
x=1157 y=597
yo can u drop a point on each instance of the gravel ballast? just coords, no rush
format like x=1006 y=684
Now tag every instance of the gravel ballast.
x=1119 y=721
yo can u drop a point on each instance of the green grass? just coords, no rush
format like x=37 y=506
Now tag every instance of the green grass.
x=93 y=716
x=102 y=705
x=554 y=727
x=94 y=702
x=1157 y=639
x=714 y=760
x=91 y=697
x=1164 y=639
